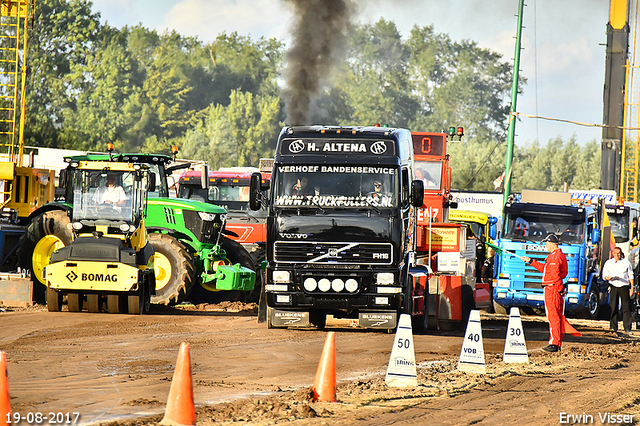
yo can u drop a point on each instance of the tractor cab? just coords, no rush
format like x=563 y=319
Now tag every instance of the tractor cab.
x=112 y=195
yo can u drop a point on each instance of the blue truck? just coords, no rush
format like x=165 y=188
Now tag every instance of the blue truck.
x=525 y=223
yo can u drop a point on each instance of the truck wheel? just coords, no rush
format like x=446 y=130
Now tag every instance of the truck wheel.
x=45 y=234
x=593 y=303
x=257 y=256
x=499 y=309
x=54 y=300
x=318 y=318
x=269 y=314
x=173 y=268
x=490 y=308
x=75 y=301
x=420 y=323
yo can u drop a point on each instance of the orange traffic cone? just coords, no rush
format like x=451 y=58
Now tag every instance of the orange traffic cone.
x=5 y=405
x=181 y=410
x=324 y=385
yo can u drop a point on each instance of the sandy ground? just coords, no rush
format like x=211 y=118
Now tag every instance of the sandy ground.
x=117 y=369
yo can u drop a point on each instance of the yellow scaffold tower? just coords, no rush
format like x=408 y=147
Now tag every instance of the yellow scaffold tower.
x=631 y=138
x=23 y=188
x=16 y=17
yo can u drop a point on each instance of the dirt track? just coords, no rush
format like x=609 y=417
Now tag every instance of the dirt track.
x=118 y=369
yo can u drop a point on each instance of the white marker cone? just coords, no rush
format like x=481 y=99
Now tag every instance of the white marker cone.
x=515 y=347
x=401 y=372
x=472 y=353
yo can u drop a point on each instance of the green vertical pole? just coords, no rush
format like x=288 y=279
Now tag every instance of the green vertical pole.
x=514 y=97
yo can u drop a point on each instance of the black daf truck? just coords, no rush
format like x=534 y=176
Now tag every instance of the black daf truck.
x=340 y=227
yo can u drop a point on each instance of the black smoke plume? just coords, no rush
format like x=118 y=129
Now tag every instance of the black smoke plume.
x=319 y=33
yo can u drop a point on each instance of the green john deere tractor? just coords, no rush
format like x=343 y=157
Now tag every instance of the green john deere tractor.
x=192 y=256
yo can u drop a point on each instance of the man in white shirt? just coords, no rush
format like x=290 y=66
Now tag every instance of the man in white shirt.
x=620 y=276
x=111 y=193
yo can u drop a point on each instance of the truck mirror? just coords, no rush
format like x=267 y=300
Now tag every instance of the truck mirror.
x=595 y=236
x=417 y=193
x=152 y=182
x=62 y=178
x=493 y=230
x=255 y=186
x=204 y=176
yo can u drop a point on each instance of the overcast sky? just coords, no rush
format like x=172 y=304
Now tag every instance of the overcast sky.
x=563 y=57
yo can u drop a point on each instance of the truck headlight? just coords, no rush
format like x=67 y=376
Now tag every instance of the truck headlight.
x=573 y=288
x=77 y=226
x=337 y=285
x=281 y=276
x=207 y=217
x=503 y=283
x=384 y=278
x=351 y=285
x=324 y=285
x=310 y=284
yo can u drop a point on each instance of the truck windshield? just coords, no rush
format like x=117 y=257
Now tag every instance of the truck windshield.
x=620 y=226
x=430 y=172
x=534 y=226
x=335 y=186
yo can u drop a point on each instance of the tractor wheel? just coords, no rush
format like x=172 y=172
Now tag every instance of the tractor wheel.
x=236 y=253
x=141 y=302
x=45 y=234
x=75 y=302
x=117 y=304
x=136 y=305
x=54 y=300
x=174 y=270
x=94 y=303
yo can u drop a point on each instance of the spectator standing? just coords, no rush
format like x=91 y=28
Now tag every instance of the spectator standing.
x=618 y=272
x=487 y=267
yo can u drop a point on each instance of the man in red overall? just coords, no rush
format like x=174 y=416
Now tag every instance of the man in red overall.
x=554 y=270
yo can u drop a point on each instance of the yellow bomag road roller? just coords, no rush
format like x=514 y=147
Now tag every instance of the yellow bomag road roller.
x=110 y=259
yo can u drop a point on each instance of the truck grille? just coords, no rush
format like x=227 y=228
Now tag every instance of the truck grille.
x=332 y=253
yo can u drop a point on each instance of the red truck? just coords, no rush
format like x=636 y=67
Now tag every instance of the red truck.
x=446 y=248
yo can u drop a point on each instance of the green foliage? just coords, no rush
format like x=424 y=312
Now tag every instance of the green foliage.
x=475 y=164
x=89 y=84
x=235 y=135
x=64 y=34
x=560 y=163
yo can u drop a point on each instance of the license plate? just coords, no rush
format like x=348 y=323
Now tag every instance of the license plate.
x=535 y=297
x=534 y=247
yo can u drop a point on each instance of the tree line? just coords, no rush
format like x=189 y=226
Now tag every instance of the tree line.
x=90 y=83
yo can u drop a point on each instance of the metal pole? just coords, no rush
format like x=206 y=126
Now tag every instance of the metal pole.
x=514 y=97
